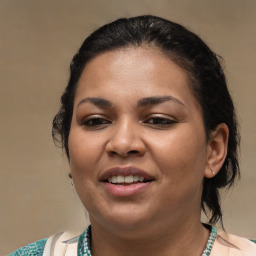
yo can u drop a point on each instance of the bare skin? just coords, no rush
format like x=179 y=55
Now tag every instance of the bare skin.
x=135 y=110
x=171 y=243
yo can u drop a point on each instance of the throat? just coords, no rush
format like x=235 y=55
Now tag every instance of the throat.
x=163 y=244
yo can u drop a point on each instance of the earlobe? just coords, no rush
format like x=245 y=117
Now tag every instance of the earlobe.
x=217 y=150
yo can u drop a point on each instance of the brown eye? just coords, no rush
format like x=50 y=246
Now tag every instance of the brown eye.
x=95 y=122
x=160 y=121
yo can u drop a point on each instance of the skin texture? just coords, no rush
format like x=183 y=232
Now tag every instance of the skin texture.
x=166 y=140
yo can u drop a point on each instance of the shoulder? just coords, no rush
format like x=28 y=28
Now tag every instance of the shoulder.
x=228 y=244
x=34 y=249
x=61 y=242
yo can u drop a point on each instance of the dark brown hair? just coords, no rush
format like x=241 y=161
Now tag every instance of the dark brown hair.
x=187 y=50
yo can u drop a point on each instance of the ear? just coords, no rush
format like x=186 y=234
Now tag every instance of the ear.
x=217 y=150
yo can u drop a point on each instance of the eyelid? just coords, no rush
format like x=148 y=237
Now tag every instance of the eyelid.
x=158 y=115
x=159 y=121
x=94 y=117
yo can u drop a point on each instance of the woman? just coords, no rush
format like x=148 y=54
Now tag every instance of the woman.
x=150 y=132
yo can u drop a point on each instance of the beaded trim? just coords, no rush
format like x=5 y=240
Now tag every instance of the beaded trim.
x=210 y=242
x=84 y=243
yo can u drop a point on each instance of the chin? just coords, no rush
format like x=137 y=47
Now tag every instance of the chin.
x=123 y=220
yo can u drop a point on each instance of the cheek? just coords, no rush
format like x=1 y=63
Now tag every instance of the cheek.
x=84 y=155
x=180 y=156
x=84 y=152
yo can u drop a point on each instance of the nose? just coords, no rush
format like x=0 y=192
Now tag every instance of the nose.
x=126 y=140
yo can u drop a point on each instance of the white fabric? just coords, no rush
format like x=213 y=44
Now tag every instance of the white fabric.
x=231 y=245
x=63 y=244
x=59 y=245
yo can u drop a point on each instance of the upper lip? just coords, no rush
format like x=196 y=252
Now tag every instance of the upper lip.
x=125 y=171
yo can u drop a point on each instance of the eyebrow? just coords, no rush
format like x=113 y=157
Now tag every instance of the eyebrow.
x=157 y=100
x=141 y=103
x=96 y=101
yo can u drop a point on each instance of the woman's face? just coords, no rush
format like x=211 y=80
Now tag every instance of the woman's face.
x=137 y=145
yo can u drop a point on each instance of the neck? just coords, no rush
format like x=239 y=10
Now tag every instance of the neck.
x=187 y=239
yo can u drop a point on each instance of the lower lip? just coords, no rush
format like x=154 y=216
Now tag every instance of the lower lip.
x=126 y=190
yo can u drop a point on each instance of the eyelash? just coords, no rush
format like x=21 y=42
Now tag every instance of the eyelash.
x=100 y=122
x=95 y=122
x=162 y=121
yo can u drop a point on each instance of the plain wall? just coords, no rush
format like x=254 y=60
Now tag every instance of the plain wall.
x=37 y=41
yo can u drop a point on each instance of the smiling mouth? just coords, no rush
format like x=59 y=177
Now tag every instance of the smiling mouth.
x=126 y=180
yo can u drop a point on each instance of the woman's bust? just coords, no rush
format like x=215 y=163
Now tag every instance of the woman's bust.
x=150 y=133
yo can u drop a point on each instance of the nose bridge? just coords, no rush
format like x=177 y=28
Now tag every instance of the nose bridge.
x=125 y=138
x=124 y=132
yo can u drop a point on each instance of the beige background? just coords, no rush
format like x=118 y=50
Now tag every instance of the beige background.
x=37 y=41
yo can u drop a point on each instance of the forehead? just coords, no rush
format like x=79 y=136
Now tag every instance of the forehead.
x=136 y=71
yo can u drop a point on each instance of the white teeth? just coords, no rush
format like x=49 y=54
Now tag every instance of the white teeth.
x=120 y=179
x=136 y=178
x=114 y=179
x=125 y=179
x=128 y=179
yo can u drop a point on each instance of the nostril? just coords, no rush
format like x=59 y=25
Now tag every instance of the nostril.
x=124 y=154
x=112 y=153
x=133 y=152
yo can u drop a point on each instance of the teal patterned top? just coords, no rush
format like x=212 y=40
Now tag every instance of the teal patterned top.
x=210 y=242
x=34 y=249
x=84 y=245
x=84 y=248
